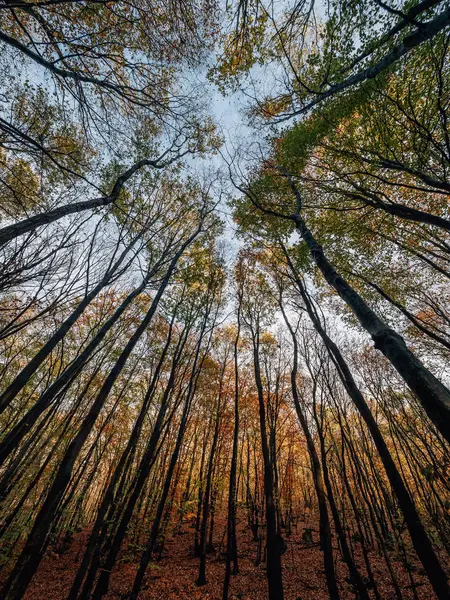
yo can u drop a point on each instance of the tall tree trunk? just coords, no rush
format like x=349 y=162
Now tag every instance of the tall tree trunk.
x=419 y=537
x=201 y=579
x=26 y=373
x=231 y=552
x=274 y=541
x=37 y=541
x=145 y=559
x=109 y=499
x=10 y=232
x=433 y=395
x=324 y=521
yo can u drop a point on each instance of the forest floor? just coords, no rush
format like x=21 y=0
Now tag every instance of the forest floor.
x=173 y=576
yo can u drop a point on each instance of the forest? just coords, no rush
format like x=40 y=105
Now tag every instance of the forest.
x=224 y=299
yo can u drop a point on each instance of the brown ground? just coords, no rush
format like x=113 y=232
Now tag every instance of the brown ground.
x=173 y=577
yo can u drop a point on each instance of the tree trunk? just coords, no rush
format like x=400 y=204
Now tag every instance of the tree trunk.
x=274 y=541
x=231 y=552
x=419 y=537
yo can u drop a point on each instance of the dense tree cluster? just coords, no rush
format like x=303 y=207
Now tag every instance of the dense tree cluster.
x=156 y=382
